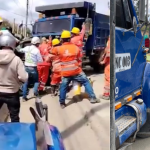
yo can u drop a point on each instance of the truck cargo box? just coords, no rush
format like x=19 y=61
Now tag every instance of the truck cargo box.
x=66 y=9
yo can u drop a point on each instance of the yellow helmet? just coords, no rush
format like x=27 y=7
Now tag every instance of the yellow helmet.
x=65 y=34
x=75 y=30
x=55 y=42
x=1 y=20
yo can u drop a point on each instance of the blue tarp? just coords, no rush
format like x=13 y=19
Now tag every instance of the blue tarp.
x=17 y=136
x=22 y=136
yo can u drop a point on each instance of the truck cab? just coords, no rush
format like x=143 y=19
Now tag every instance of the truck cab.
x=132 y=76
x=56 y=18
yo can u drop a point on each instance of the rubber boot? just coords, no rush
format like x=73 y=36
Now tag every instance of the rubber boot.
x=104 y=97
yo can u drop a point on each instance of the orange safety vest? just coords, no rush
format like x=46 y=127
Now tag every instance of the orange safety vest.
x=54 y=59
x=77 y=41
x=69 y=55
x=43 y=50
x=106 y=58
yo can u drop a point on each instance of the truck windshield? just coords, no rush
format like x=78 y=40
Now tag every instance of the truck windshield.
x=51 y=26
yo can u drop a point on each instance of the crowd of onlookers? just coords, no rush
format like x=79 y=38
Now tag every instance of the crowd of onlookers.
x=63 y=56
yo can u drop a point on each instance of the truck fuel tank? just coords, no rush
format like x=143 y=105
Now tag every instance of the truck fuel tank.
x=129 y=119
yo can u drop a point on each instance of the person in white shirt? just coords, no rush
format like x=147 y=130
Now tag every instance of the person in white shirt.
x=32 y=57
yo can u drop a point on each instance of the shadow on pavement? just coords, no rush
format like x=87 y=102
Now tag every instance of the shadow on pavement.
x=74 y=99
x=90 y=72
x=83 y=121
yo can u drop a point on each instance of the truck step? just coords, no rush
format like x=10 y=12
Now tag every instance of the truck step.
x=124 y=122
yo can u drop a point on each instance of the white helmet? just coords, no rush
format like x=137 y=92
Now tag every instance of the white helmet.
x=8 y=41
x=35 y=40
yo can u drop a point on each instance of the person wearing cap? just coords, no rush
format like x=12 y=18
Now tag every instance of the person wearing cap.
x=32 y=58
x=12 y=75
x=56 y=67
x=43 y=67
x=69 y=55
x=77 y=37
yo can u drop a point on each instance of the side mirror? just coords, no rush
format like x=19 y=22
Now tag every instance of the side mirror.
x=134 y=25
x=142 y=10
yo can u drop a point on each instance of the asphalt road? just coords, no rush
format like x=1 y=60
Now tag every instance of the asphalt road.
x=140 y=144
x=83 y=126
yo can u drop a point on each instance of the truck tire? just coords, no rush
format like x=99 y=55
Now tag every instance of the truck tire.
x=49 y=78
x=98 y=68
x=94 y=62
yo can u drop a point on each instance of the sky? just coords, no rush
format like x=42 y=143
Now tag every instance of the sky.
x=16 y=9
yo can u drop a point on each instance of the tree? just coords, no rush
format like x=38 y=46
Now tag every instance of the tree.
x=28 y=32
x=6 y=23
x=136 y=6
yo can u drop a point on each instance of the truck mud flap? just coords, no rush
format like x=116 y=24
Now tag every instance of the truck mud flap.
x=145 y=130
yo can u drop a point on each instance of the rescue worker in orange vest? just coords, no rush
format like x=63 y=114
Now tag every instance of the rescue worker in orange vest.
x=77 y=36
x=71 y=70
x=106 y=62
x=49 y=42
x=56 y=67
x=43 y=67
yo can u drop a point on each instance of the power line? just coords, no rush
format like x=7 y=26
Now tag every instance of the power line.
x=31 y=15
x=16 y=3
x=12 y=12
x=19 y=3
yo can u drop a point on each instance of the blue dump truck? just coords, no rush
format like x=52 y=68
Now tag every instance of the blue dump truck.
x=132 y=85
x=56 y=18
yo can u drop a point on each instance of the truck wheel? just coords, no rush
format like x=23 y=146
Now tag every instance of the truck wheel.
x=98 y=68
x=94 y=62
x=49 y=78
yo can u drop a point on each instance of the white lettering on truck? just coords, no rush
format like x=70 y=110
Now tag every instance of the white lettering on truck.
x=123 y=62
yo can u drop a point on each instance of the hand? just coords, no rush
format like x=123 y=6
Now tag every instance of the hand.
x=83 y=25
x=50 y=38
x=1 y=33
x=102 y=62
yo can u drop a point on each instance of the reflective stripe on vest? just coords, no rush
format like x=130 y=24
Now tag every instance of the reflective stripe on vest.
x=42 y=83
x=69 y=62
x=28 y=56
x=43 y=55
x=80 y=59
x=69 y=65
x=69 y=68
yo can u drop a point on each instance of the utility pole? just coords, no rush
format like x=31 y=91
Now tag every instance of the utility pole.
x=13 y=28
x=26 y=25
x=113 y=140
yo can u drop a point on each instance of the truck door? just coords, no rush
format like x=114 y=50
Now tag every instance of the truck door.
x=128 y=77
